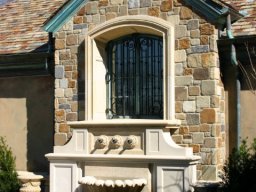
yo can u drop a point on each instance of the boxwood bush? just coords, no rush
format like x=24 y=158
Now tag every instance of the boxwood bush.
x=240 y=169
x=8 y=175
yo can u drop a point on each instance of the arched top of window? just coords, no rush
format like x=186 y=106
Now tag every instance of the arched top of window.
x=126 y=25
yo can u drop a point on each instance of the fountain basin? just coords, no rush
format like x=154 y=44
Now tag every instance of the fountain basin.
x=92 y=184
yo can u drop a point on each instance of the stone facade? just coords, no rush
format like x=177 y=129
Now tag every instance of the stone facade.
x=199 y=91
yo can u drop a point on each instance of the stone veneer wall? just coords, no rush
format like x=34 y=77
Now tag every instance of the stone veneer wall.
x=199 y=91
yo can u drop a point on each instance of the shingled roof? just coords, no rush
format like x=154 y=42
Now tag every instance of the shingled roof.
x=21 y=24
x=247 y=24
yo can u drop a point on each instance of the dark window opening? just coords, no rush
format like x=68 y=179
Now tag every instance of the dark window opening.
x=135 y=77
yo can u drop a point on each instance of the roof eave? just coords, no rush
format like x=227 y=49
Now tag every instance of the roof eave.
x=214 y=12
x=63 y=15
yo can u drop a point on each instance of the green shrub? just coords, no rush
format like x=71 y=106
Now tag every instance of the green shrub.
x=8 y=175
x=240 y=169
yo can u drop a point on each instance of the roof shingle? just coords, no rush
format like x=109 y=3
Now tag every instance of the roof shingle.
x=246 y=25
x=21 y=24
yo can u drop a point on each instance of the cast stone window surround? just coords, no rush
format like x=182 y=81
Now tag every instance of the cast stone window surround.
x=96 y=62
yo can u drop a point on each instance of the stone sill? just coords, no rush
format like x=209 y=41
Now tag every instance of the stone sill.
x=168 y=124
x=192 y=159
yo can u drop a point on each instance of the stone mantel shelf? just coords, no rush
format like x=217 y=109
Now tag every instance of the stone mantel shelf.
x=192 y=159
x=169 y=124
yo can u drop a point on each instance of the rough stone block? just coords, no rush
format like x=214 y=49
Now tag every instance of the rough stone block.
x=145 y=3
x=193 y=24
x=64 y=106
x=59 y=115
x=68 y=92
x=204 y=39
x=174 y=19
x=194 y=90
x=59 y=92
x=200 y=49
x=60 y=139
x=180 y=56
x=188 y=71
x=116 y=2
x=91 y=8
x=208 y=116
x=78 y=20
x=133 y=4
x=215 y=73
x=186 y=13
x=202 y=102
x=177 y=138
x=154 y=11
x=201 y=74
x=195 y=33
x=194 y=60
x=205 y=127
x=179 y=69
x=209 y=87
x=194 y=128
x=215 y=101
x=59 y=72
x=60 y=44
x=178 y=106
x=64 y=128
x=65 y=55
x=216 y=131
x=196 y=148
x=103 y=3
x=183 y=80
x=207 y=29
x=112 y=9
x=210 y=142
x=189 y=106
x=72 y=116
x=184 y=43
x=193 y=119
x=213 y=44
x=180 y=116
x=63 y=83
x=183 y=130
x=181 y=93
x=209 y=60
x=198 y=138
x=195 y=42
x=180 y=31
x=166 y=5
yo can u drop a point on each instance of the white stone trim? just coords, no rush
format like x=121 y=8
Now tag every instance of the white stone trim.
x=116 y=28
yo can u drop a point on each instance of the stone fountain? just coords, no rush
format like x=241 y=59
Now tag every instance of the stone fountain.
x=122 y=155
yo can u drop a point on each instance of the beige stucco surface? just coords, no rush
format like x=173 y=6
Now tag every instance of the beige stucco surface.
x=13 y=126
x=26 y=119
x=248 y=111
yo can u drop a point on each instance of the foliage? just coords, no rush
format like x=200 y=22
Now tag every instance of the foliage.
x=240 y=169
x=8 y=175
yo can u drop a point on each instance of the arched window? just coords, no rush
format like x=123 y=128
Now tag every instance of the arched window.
x=135 y=77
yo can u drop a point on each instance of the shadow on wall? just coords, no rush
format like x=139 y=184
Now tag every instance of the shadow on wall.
x=81 y=81
x=27 y=116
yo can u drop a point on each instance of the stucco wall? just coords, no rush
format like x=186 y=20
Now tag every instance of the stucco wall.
x=26 y=119
x=248 y=120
